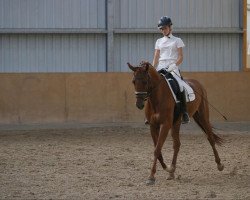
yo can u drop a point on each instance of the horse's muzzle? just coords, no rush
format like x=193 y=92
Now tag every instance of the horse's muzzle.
x=140 y=104
x=140 y=98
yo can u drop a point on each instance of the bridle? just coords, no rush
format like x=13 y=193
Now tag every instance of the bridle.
x=149 y=89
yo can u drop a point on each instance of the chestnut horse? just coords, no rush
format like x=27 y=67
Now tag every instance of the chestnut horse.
x=150 y=87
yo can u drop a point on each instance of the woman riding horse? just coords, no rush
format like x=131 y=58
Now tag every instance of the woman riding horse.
x=168 y=56
x=151 y=87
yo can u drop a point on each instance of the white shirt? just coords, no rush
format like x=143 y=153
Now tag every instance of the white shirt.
x=168 y=47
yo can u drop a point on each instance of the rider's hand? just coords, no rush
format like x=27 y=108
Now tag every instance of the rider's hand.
x=172 y=67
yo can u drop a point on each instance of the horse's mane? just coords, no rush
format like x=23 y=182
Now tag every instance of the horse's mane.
x=151 y=70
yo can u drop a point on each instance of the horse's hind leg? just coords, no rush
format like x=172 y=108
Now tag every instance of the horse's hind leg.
x=217 y=158
x=212 y=138
x=176 y=146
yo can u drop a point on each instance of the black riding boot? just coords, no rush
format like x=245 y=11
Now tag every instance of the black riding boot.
x=185 y=116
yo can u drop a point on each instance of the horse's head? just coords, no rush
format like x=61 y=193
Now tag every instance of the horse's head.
x=141 y=81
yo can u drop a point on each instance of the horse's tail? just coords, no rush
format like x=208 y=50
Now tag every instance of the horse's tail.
x=207 y=127
x=218 y=139
x=201 y=117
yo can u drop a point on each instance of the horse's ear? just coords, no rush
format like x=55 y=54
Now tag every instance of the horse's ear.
x=147 y=64
x=131 y=67
x=144 y=65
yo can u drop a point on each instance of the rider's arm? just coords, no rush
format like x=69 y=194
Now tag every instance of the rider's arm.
x=156 y=57
x=180 y=56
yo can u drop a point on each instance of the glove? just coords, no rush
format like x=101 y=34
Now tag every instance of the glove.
x=172 y=67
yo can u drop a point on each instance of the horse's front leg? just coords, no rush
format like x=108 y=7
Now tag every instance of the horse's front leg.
x=176 y=146
x=164 y=128
x=155 y=134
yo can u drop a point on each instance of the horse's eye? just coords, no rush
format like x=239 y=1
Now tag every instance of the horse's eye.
x=133 y=81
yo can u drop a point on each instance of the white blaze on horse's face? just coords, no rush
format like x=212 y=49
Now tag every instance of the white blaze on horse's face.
x=140 y=82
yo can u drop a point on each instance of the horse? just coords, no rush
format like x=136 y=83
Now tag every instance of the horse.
x=153 y=93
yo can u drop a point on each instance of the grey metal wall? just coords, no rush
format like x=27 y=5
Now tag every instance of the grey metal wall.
x=185 y=13
x=50 y=14
x=210 y=29
x=103 y=35
x=52 y=36
x=203 y=52
x=52 y=53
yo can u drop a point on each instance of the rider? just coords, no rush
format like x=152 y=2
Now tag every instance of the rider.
x=168 y=55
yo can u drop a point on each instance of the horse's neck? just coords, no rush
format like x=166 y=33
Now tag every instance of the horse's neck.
x=155 y=76
x=161 y=90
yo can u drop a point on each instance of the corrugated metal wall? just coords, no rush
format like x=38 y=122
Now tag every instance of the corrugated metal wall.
x=210 y=29
x=44 y=14
x=203 y=52
x=185 y=13
x=103 y=35
x=52 y=36
x=52 y=53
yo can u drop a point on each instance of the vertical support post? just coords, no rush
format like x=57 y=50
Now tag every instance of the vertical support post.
x=246 y=66
x=110 y=35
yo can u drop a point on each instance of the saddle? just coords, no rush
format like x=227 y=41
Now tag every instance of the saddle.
x=174 y=86
x=175 y=89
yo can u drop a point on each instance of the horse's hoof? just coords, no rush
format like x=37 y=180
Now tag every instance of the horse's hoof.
x=171 y=176
x=170 y=169
x=146 y=122
x=220 y=167
x=150 y=181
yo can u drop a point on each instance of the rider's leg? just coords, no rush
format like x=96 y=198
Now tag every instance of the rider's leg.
x=185 y=116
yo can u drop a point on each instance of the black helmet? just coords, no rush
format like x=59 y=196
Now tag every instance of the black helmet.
x=164 y=21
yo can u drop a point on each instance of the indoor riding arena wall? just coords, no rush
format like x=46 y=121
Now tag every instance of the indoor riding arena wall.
x=28 y=98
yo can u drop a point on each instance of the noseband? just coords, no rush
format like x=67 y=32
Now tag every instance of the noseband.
x=142 y=95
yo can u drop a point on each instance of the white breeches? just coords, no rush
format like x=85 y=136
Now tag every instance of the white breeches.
x=177 y=76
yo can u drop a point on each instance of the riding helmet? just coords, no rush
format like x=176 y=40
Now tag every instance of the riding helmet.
x=164 y=21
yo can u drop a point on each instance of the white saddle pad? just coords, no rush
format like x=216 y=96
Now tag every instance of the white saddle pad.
x=190 y=96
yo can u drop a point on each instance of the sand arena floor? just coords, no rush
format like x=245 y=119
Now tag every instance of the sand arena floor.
x=113 y=162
